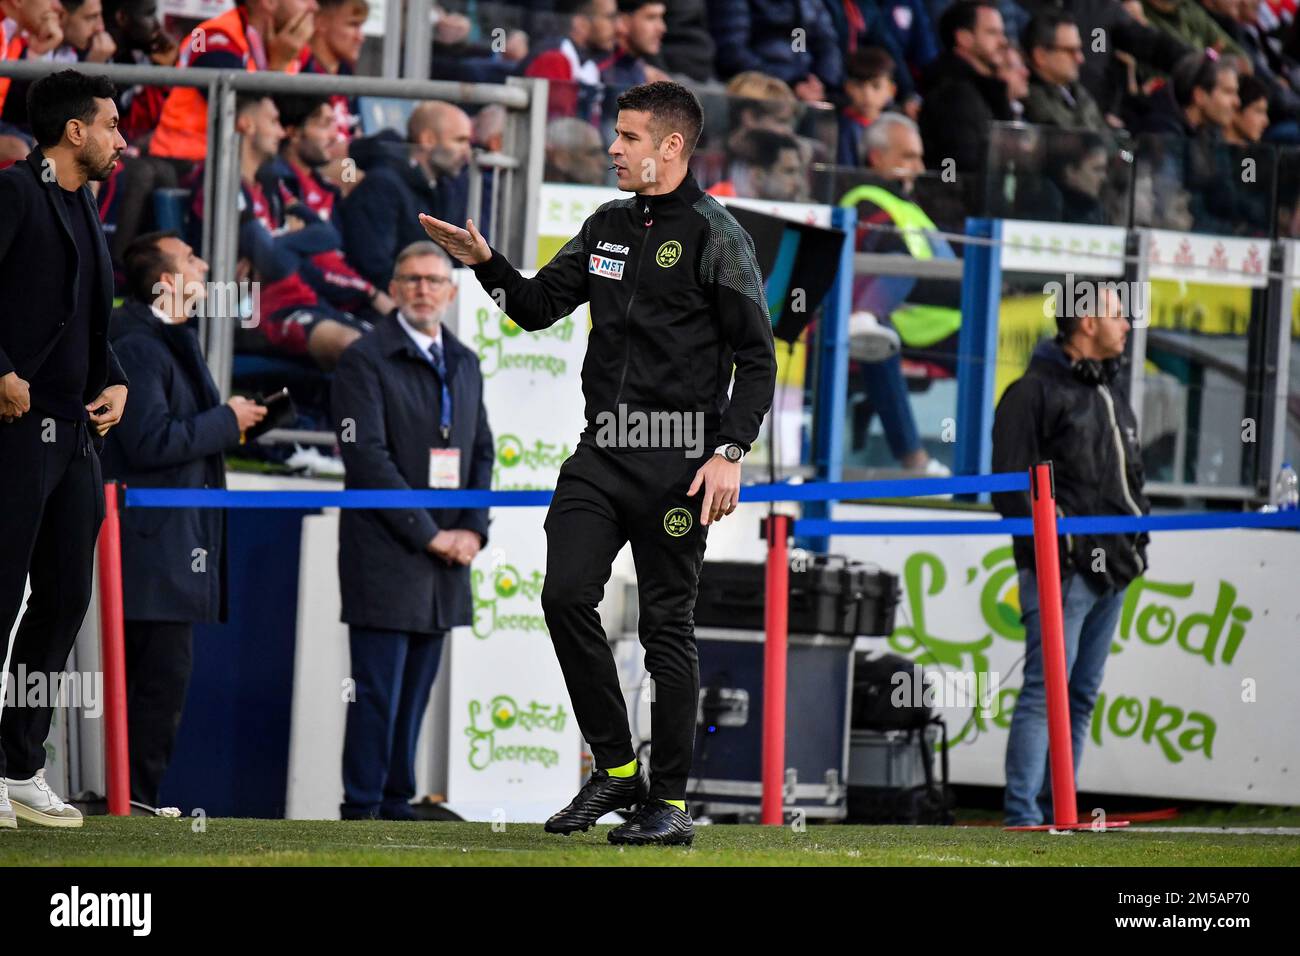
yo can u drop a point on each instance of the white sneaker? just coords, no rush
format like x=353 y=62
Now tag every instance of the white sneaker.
x=869 y=341
x=35 y=802
x=8 y=819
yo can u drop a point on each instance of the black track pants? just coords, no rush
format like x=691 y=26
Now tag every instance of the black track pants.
x=602 y=499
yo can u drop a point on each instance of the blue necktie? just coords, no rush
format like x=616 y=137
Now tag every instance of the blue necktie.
x=440 y=366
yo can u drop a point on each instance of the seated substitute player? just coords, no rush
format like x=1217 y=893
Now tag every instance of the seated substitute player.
x=676 y=301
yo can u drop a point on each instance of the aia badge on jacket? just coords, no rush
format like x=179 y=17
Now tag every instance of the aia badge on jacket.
x=605 y=266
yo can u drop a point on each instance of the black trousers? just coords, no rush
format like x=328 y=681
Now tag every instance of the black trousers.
x=51 y=506
x=159 y=659
x=603 y=499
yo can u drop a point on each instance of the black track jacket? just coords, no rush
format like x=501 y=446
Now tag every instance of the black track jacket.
x=676 y=300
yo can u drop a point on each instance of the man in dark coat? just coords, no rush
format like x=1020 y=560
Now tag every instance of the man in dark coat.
x=61 y=390
x=173 y=436
x=963 y=94
x=407 y=404
x=1070 y=407
x=428 y=170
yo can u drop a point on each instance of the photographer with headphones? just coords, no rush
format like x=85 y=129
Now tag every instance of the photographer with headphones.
x=1070 y=407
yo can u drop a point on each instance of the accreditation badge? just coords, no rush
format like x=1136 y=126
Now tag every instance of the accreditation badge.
x=444 y=468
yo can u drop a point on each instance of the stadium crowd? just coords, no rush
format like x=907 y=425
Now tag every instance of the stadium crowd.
x=793 y=91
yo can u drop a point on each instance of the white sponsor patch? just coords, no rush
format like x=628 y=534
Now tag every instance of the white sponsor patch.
x=604 y=266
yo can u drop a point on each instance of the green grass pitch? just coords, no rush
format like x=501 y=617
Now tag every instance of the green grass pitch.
x=146 y=841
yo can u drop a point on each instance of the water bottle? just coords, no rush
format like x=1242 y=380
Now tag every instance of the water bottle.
x=1287 y=488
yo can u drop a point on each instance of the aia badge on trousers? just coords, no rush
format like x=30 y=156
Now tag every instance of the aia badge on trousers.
x=677 y=522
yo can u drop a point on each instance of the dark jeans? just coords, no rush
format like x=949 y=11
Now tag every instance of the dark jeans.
x=393 y=673
x=159 y=658
x=51 y=506
x=603 y=499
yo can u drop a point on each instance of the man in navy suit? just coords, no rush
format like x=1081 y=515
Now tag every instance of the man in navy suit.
x=407 y=405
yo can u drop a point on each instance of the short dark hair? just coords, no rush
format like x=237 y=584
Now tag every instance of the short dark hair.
x=1040 y=32
x=1196 y=71
x=1251 y=88
x=960 y=16
x=144 y=263
x=296 y=110
x=632 y=6
x=869 y=63
x=55 y=99
x=763 y=147
x=246 y=100
x=72 y=6
x=672 y=108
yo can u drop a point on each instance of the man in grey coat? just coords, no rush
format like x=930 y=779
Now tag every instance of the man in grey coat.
x=407 y=404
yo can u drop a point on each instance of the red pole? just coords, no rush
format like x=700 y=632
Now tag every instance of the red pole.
x=113 y=650
x=774 y=655
x=1042 y=486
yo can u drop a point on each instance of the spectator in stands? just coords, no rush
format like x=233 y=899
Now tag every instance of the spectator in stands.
x=687 y=49
x=310 y=136
x=1189 y=22
x=963 y=94
x=891 y=313
x=457 y=57
x=1200 y=99
x=379 y=217
x=252 y=35
x=29 y=29
x=85 y=38
x=869 y=87
x=1015 y=74
x=1070 y=408
x=575 y=153
x=490 y=127
x=758 y=35
x=1079 y=166
x=407 y=401
x=765 y=164
x=901 y=28
x=1125 y=33
x=640 y=32
x=757 y=100
x=172 y=435
x=334 y=49
x=1250 y=121
x=572 y=62
x=139 y=38
x=1056 y=97
x=294 y=253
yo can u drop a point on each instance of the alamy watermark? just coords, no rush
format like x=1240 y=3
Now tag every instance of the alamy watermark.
x=1077 y=298
x=936 y=689
x=633 y=428
x=55 y=689
x=240 y=300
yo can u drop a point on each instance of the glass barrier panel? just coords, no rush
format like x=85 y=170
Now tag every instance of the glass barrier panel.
x=1204 y=186
x=1057 y=175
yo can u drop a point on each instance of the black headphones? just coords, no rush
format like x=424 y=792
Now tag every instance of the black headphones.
x=1092 y=372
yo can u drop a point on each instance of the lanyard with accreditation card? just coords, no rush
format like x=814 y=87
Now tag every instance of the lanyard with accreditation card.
x=444 y=463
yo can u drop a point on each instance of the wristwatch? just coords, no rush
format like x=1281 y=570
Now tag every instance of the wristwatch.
x=732 y=452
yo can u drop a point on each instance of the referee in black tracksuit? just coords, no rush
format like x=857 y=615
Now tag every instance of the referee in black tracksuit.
x=676 y=301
